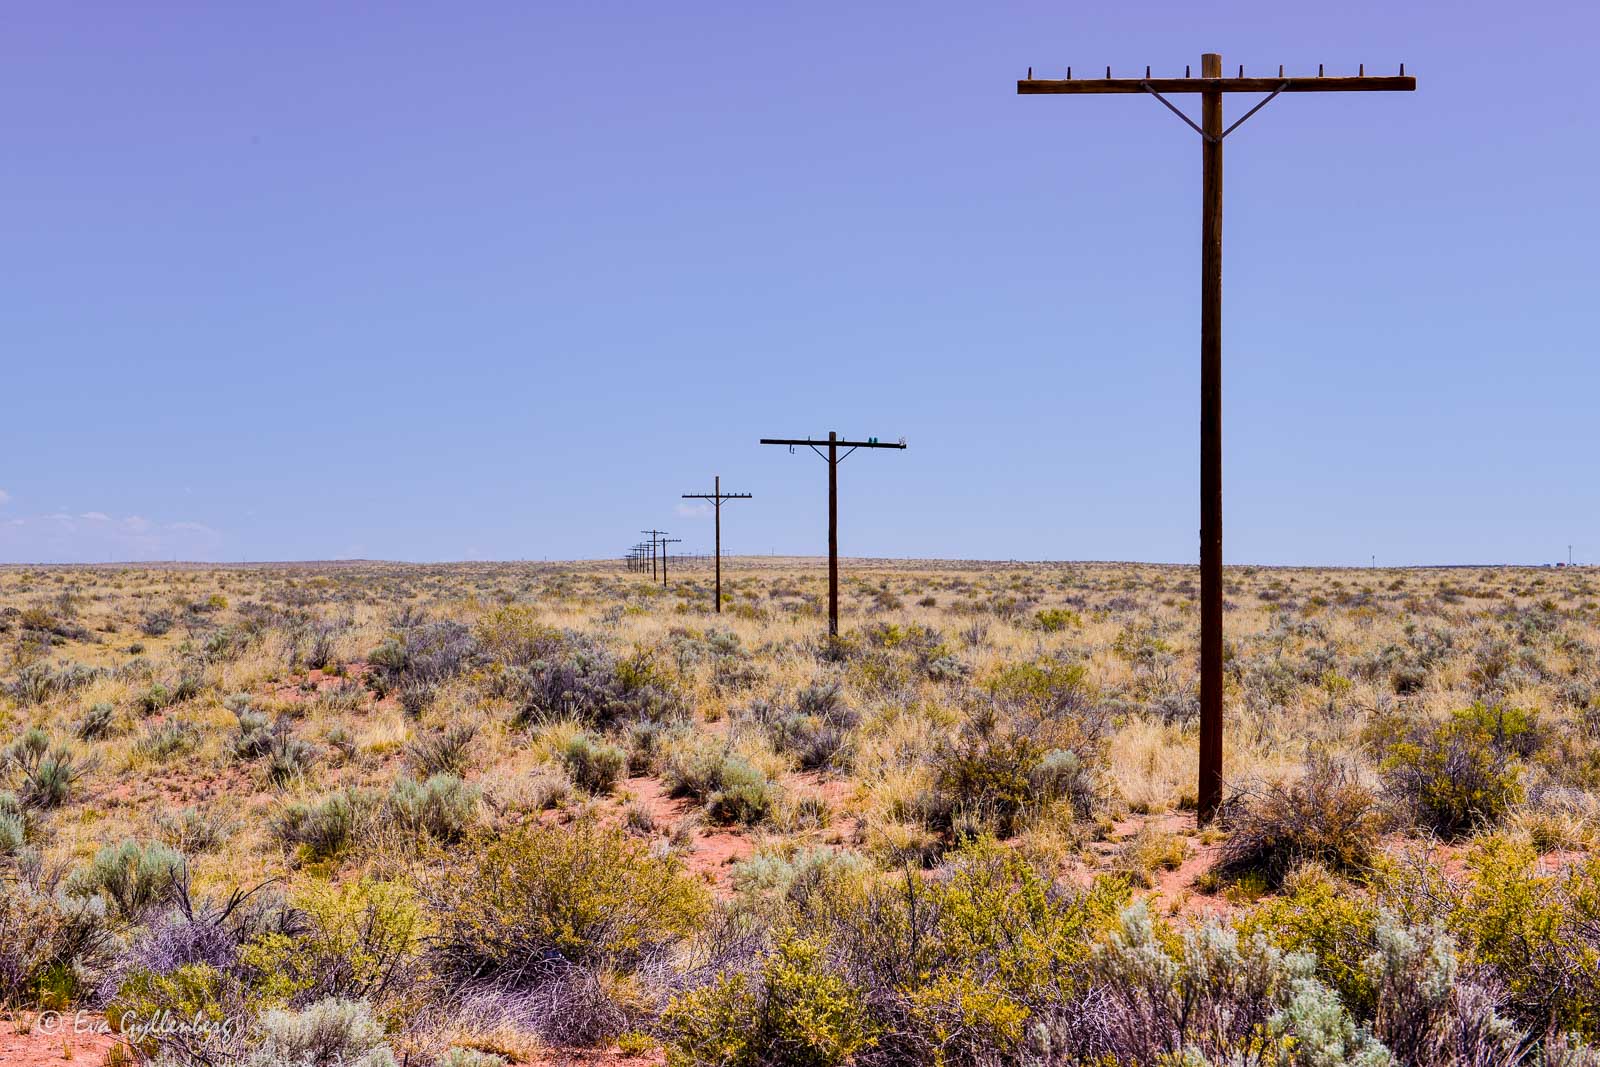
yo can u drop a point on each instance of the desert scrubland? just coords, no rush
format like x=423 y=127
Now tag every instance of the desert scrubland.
x=483 y=813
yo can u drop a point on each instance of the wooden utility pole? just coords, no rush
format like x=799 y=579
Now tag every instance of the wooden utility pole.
x=665 y=541
x=656 y=537
x=834 y=459
x=1212 y=86
x=717 y=496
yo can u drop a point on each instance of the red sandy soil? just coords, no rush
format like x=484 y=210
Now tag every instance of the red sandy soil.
x=39 y=1041
x=355 y=671
x=715 y=848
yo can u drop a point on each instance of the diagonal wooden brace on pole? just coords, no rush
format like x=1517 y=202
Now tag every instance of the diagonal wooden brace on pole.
x=1212 y=87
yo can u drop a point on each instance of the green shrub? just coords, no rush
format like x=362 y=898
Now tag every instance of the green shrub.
x=817 y=729
x=47 y=940
x=357 y=941
x=1208 y=995
x=97 y=722
x=1426 y=1011
x=743 y=795
x=1000 y=917
x=993 y=776
x=196 y=993
x=794 y=1012
x=584 y=894
x=1062 y=774
x=471 y=1057
x=444 y=751
x=1046 y=684
x=986 y=776
x=288 y=757
x=1462 y=773
x=14 y=826
x=193 y=830
x=1333 y=922
x=156 y=698
x=587 y=683
x=642 y=740
x=693 y=767
x=38 y=682
x=253 y=735
x=132 y=877
x=1538 y=931
x=956 y=970
x=1054 y=620
x=331 y=1031
x=593 y=763
x=732 y=789
x=321 y=829
x=444 y=807
x=162 y=741
x=46 y=772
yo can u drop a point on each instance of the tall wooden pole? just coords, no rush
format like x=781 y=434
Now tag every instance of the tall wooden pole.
x=1209 y=793
x=716 y=487
x=833 y=534
x=1211 y=86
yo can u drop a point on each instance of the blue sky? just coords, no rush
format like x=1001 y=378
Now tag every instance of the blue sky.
x=501 y=280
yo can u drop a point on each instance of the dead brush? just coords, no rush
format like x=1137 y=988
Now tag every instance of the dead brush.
x=1327 y=816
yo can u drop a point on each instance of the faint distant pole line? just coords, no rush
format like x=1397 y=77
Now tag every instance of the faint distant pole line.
x=717 y=497
x=833 y=458
x=1212 y=87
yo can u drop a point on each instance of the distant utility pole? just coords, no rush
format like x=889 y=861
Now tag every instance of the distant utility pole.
x=834 y=459
x=665 y=541
x=655 y=537
x=1211 y=86
x=717 y=496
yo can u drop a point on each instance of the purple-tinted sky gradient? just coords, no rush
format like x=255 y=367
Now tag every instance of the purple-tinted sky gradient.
x=501 y=280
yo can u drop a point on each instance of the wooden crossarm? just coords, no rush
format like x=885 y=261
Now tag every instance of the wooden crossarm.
x=1069 y=86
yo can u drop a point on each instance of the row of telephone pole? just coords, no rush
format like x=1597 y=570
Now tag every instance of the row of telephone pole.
x=1212 y=87
x=651 y=554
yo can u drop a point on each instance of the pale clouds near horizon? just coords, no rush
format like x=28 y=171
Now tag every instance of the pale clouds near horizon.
x=96 y=536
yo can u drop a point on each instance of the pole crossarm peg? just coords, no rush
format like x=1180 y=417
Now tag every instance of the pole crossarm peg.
x=1212 y=87
x=717 y=498
x=833 y=458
